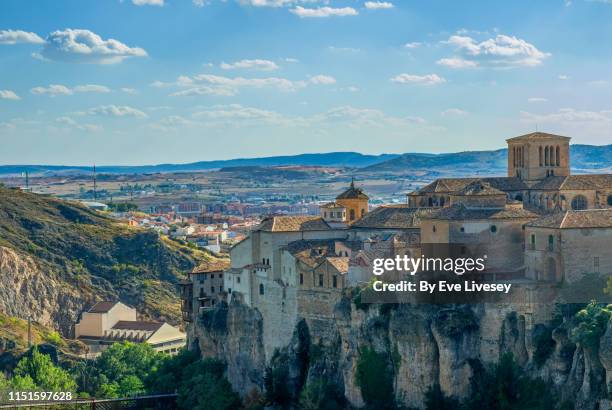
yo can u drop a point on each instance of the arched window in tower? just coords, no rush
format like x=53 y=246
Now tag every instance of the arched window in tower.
x=352 y=215
x=579 y=202
x=541 y=156
x=546 y=156
x=558 y=157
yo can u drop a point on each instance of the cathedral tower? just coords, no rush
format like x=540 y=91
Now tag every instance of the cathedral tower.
x=533 y=157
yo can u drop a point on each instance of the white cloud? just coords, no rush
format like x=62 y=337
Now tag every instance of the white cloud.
x=428 y=79
x=454 y=112
x=159 y=3
x=536 y=99
x=322 y=79
x=58 y=89
x=84 y=46
x=456 y=62
x=320 y=12
x=52 y=90
x=378 y=5
x=128 y=90
x=70 y=123
x=569 y=115
x=501 y=51
x=199 y=3
x=236 y=111
x=266 y=3
x=8 y=95
x=343 y=49
x=114 y=111
x=291 y=60
x=414 y=44
x=256 y=64
x=19 y=36
x=205 y=90
x=563 y=77
x=210 y=84
x=91 y=88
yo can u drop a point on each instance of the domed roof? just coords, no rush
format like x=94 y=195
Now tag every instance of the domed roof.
x=353 y=193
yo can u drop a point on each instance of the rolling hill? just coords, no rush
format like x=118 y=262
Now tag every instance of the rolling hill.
x=57 y=258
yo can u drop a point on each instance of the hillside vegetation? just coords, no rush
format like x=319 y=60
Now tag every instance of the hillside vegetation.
x=57 y=258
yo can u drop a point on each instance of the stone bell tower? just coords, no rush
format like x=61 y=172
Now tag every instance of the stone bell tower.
x=533 y=157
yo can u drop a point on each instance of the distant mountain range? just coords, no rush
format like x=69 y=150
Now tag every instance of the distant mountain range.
x=583 y=157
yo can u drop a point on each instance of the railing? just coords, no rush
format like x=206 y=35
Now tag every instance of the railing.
x=159 y=401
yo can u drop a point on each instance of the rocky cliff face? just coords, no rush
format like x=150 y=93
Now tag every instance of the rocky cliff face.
x=27 y=291
x=58 y=257
x=423 y=344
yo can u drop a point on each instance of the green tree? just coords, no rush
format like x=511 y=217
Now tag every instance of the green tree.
x=436 y=400
x=374 y=376
x=123 y=368
x=204 y=387
x=169 y=375
x=507 y=387
x=320 y=394
x=42 y=373
x=591 y=324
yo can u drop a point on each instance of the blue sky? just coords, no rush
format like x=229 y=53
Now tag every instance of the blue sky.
x=153 y=81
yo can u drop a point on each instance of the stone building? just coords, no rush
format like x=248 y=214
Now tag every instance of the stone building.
x=538 y=175
x=355 y=201
x=567 y=245
x=203 y=288
x=109 y=322
x=480 y=222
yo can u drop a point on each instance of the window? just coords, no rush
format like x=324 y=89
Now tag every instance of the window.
x=301 y=279
x=320 y=281
x=493 y=228
x=261 y=289
x=201 y=292
x=579 y=202
x=596 y=264
x=433 y=228
x=205 y=276
x=221 y=288
x=201 y=281
x=220 y=276
x=362 y=212
x=541 y=157
x=352 y=214
x=551 y=242
x=229 y=290
x=212 y=276
x=238 y=279
x=325 y=215
x=212 y=289
x=335 y=281
x=462 y=229
x=558 y=157
x=610 y=200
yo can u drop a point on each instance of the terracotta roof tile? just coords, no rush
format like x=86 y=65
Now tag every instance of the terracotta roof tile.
x=102 y=307
x=393 y=217
x=588 y=218
x=575 y=182
x=461 y=212
x=214 y=265
x=137 y=325
x=535 y=136
x=293 y=224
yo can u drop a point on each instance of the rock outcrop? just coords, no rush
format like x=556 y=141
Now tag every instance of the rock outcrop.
x=425 y=345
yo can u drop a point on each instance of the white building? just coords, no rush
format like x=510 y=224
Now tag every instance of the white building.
x=110 y=322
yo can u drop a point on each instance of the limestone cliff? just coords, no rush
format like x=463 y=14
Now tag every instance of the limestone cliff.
x=423 y=344
x=58 y=257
